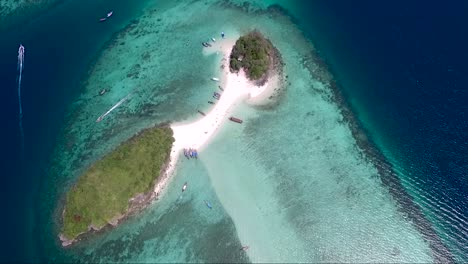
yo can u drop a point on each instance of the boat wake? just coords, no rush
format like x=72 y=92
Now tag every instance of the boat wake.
x=112 y=108
x=20 y=70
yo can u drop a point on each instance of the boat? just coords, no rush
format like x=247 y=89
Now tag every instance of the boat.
x=215 y=79
x=203 y=114
x=99 y=119
x=103 y=91
x=234 y=119
x=222 y=34
x=213 y=39
x=208 y=204
x=107 y=16
x=184 y=187
x=244 y=248
x=206 y=44
x=210 y=102
x=220 y=88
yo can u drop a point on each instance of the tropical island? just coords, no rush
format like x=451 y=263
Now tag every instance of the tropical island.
x=128 y=178
x=255 y=54
x=116 y=185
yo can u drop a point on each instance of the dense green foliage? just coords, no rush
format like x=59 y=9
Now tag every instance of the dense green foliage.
x=252 y=52
x=104 y=190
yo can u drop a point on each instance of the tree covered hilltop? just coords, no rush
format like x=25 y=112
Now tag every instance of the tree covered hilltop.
x=118 y=184
x=255 y=54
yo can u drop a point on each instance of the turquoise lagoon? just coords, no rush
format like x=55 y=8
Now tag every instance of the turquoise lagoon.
x=291 y=182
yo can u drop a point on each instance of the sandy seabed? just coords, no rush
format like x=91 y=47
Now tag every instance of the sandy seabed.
x=237 y=88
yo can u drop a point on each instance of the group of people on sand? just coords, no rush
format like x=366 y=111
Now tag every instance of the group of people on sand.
x=190 y=153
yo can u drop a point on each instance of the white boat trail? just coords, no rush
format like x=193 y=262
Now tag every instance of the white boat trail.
x=20 y=69
x=112 y=108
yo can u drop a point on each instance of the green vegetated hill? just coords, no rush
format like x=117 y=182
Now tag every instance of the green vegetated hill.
x=104 y=190
x=253 y=53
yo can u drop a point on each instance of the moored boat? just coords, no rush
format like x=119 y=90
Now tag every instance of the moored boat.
x=208 y=204
x=184 y=187
x=203 y=114
x=103 y=91
x=234 y=119
x=215 y=79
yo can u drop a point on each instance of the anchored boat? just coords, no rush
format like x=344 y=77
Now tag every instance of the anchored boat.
x=237 y=120
x=208 y=204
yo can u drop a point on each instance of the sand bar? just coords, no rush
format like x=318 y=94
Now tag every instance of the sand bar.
x=236 y=88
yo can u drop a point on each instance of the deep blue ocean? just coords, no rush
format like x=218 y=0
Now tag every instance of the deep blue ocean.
x=401 y=66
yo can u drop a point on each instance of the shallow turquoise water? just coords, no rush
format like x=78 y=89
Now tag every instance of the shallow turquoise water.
x=291 y=182
x=178 y=228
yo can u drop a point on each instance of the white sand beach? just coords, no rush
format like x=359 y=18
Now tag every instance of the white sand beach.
x=236 y=88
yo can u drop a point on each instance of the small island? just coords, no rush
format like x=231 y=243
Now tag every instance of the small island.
x=116 y=185
x=129 y=177
x=256 y=55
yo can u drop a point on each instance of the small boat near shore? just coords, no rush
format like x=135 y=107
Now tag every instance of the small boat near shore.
x=184 y=187
x=220 y=88
x=211 y=102
x=237 y=120
x=213 y=39
x=215 y=79
x=203 y=114
x=190 y=153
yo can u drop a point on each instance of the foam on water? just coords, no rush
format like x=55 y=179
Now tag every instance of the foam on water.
x=291 y=179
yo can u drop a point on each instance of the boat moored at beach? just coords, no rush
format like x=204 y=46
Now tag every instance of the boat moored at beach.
x=190 y=153
x=215 y=79
x=184 y=187
x=237 y=120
